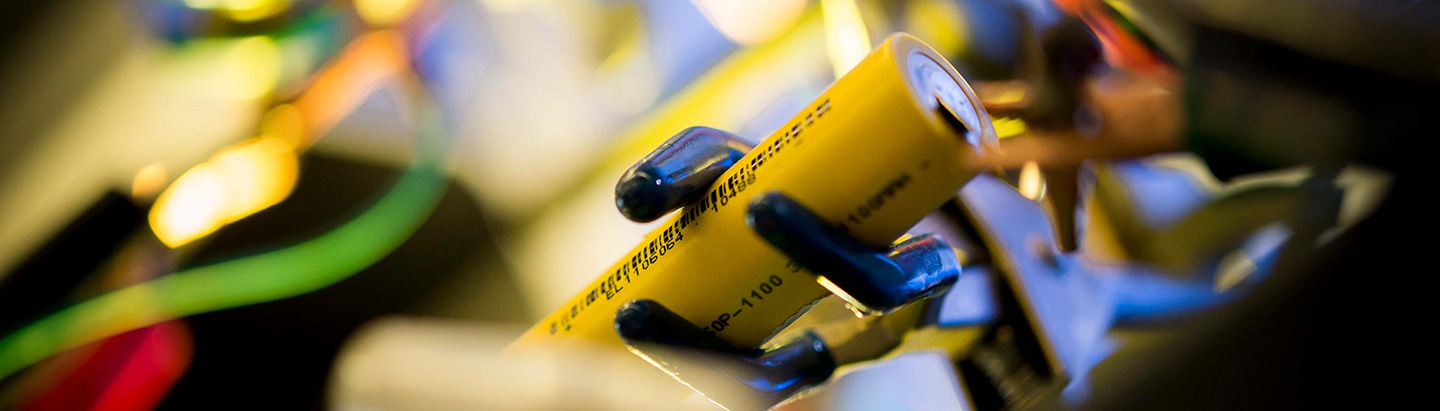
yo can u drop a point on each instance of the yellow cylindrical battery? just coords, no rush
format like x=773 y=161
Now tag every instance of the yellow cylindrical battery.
x=874 y=153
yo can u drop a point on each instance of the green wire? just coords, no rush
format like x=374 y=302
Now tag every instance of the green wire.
x=1126 y=23
x=273 y=275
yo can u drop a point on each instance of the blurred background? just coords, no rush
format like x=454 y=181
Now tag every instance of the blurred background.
x=356 y=204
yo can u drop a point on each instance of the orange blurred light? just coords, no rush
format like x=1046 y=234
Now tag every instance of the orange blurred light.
x=1032 y=184
x=255 y=174
x=285 y=123
x=359 y=70
x=149 y=181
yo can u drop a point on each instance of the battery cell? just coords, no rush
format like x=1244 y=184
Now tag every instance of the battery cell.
x=876 y=151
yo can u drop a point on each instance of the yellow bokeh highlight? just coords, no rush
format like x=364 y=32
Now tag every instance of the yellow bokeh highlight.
x=939 y=23
x=238 y=181
x=256 y=64
x=258 y=174
x=847 y=39
x=385 y=13
x=1008 y=127
x=192 y=207
x=243 y=10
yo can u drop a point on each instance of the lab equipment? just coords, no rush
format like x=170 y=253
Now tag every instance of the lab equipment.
x=874 y=153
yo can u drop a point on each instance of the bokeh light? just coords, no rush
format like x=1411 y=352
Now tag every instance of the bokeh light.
x=238 y=181
x=846 y=36
x=384 y=13
x=752 y=21
x=149 y=180
x=243 y=10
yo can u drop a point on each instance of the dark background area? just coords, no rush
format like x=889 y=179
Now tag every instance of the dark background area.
x=281 y=352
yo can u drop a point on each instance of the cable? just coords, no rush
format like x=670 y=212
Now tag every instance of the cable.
x=272 y=275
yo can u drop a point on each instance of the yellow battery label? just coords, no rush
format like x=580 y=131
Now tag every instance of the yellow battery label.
x=880 y=148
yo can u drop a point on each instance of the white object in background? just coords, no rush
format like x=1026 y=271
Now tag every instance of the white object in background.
x=922 y=380
x=414 y=363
